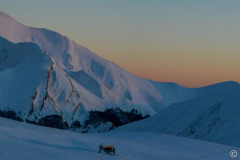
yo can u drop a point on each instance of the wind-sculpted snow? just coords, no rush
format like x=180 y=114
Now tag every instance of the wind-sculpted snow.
x=87 y=82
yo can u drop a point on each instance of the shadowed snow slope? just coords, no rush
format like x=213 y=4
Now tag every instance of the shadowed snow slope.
x=23 y=69
x=21 y=141
x=51 y=77
x=214 y=119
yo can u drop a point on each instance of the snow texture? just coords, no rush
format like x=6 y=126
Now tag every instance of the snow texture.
x=21 y=141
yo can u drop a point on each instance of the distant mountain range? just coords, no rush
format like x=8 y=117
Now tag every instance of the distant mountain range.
x=49 y=80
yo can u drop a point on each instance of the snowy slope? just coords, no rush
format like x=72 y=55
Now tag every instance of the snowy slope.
x=69 y=84
x=21 y=141
x=214 y=119
x=32 y=84
x=112 y=85
x=77 y=81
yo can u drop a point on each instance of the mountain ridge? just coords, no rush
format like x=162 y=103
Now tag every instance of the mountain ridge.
x=79 y=83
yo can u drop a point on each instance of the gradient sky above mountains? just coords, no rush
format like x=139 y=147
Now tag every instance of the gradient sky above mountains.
x=193 y=43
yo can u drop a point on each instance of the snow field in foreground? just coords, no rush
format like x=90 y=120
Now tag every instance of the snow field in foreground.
x=21 y=141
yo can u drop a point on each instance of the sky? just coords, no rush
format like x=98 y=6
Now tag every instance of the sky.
x=191 y=42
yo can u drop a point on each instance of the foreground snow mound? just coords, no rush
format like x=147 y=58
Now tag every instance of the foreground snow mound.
x=21 y=141
x=214 y=119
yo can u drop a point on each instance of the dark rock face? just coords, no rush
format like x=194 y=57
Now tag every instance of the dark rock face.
x=116 y=116
x=54 y=121
x=10 y=114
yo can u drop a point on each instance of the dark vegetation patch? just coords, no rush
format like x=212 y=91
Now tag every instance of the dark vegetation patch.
x=116 y=116
x=10 y=115
x=76 y=124
x=54 y=121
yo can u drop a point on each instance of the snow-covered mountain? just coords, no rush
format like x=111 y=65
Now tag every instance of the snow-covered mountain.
x=214 y=119
x=50 y=80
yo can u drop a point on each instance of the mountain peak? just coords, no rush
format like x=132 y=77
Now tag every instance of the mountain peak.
x=6 y=17
x=12 y=30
